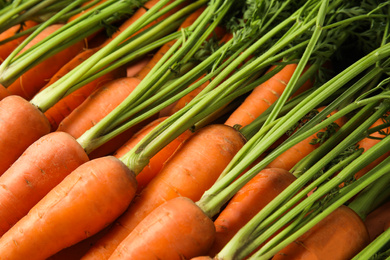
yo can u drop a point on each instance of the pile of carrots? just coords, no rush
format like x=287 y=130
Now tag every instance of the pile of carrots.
x=176 y=129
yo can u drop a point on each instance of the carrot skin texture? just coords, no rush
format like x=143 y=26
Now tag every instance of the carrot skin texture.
x=263 y=97
x=35 y=78
x=193 y=168
x=7 y=48
x=157 y=162
x=190 y=231
x=97 y=105
x=247 y=202
x=42 y=166
x=85 y=202
x=21 y=124
x=3 y=92
x=378 y=221
x=340 y=235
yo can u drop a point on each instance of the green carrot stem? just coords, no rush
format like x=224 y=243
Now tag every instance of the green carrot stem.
x=17 y=9
x=50 y=95
x=288 y=198
x=54 y=41
x=150 y=79
x=364 y=203
x=288 y=121
x=71 y=77
x=39 y=30
x=301 y=64
x=313 y=157
x=140 y=159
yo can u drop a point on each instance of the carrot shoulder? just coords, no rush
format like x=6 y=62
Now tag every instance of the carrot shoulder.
x=157 y=161
x=14 y=139
x=192 y=169
x=85 y=202
x=178 y=229
x=35 y=78
x=35 y=173
x=263 y=96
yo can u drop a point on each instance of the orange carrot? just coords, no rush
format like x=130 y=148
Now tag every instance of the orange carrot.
x=35 y=78
x=293 y=155
x=7 y=48
x=378 y=220
x=35 y=173
x=97 y=105
x=85 y=202
x=367 y=143
x=14 y=137
x=65 y=106
x=178 y=229
x=192 y=169
x=247 y=202
x=157 y=161
x=3 y=92
x=263 y=96
x=340 y=235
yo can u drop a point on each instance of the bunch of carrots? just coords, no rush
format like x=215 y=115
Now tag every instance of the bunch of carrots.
x=206 y=129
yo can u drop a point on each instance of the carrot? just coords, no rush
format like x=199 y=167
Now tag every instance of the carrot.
x=293 y=155
x=35 y=78
x=157 y=161
x=263 y=96
x=97 y=105
x=249 y=200
x=85 y=202
x=330 y=238
x=3 y=92
x=178 y=229
x=35 y=173
x=378 y=221
x=367 y=143
x=8 y=47
x=65 y=106
x=13 y=131
x=192 y=169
